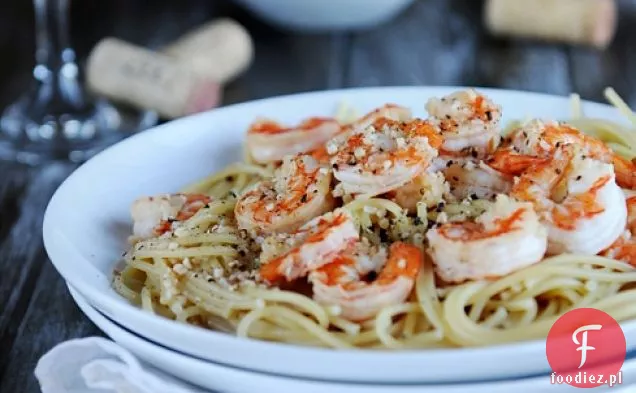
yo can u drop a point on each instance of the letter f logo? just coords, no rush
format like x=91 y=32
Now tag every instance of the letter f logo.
x=583 y=344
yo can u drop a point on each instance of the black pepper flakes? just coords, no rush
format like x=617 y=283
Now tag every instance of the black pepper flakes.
x=473 y=196
x=303 y=198
x=578 y=177
x=417 y=221
x=228 y=178
x=557 y=171
x=489 y=115
x=440 y=207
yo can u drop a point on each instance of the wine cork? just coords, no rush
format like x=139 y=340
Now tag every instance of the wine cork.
x=221 y=49
x=584 y=22
x=148 y=80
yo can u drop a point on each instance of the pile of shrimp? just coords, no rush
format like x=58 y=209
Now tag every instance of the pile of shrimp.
x=356 y=210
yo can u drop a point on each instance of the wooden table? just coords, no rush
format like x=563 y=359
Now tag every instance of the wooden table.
x=435 y=42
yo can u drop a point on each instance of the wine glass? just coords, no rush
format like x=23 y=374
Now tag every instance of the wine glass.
x=57 y=119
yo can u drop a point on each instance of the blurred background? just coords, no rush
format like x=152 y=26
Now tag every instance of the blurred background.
x=431 y=42
x=308 y=45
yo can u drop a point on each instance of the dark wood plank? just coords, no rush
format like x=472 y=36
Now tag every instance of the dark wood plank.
x=441 y=42
x=287 y=64
x=51 y=318
x=434 y=42
x=12 y=185
x=523 y=66
x=22 y=255
x=593 y=70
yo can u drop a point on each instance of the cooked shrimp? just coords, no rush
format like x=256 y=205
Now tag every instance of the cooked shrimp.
x=469 y=122
x=269 y=141
x=345 y=281
x=475 y=179
x=290 y=256
x=298 y=192
x=154 y=216
x=535 y=141
x=388 y=111
x=624 y=249
x=427 y=188
x=578 y=200
x=507 y=237
x=384 y=156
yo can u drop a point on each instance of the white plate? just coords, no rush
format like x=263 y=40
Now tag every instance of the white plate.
x=87 y=222
x=229 y=379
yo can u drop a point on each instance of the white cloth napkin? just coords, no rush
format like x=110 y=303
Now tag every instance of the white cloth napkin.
x=97 y=365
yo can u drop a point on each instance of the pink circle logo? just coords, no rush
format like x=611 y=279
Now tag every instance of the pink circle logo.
x=586 y=348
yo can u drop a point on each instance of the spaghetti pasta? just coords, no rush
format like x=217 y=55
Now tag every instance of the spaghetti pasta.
x=205 y=272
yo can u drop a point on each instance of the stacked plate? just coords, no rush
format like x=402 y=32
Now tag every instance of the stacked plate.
x=87 y=223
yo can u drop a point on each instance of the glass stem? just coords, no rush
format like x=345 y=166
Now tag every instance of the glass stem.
x=55 y=67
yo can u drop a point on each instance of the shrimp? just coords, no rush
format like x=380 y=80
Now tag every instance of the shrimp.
x=291 y=256
x=536 y=141
x=578 y=200
x=154 y=216
x=388 y=111
x=624 y=249
x=384 y=156
x=533 y=143
x=474 y=179
x=507 y=237
x=469 y=123
x=345 y=282
x=269 y=141
x=298 y=192
x=427 y=188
